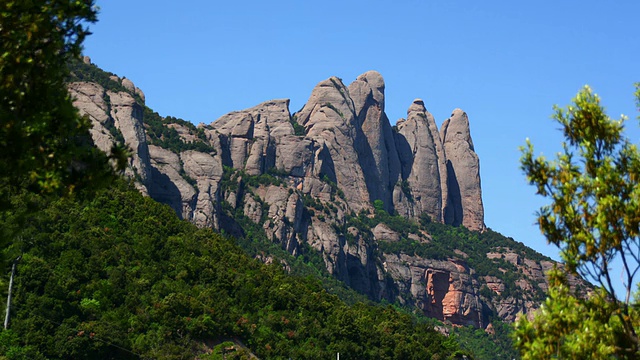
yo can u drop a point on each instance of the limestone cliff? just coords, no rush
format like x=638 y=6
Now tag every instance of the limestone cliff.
x=309 y=181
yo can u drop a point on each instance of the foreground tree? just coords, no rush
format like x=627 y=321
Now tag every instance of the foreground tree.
x=45 y=145
x=594 y=218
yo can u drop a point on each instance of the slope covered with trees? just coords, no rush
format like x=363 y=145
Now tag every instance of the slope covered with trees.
x=120 y=276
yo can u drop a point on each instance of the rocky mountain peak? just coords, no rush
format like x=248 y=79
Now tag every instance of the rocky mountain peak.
x=456 y=129
x=373 y=85
x=417 y=106
x=309 y=181
x=423 y=161
x=463 y=170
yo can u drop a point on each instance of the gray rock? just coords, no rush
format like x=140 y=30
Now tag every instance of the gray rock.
x=251 y=135
x=207 y=171
x=374 y=142
x=168 y=186
x=183 y=132
x=362 y=273
x=463 y=168
x=383 y=233
x=445 y=290
x=128 y=84
x=330 y=120
x=140 y=94
x=89 y=100
x=252 y=209
x=127 y=115
x=294 y=155
x=418 y=152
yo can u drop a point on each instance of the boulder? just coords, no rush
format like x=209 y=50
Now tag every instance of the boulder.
x=383 y=233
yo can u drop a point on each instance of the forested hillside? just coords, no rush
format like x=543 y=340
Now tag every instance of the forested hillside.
x=119 y=276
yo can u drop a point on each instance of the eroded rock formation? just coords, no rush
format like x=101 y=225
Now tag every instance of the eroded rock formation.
x=301 y=177
x=463 y=170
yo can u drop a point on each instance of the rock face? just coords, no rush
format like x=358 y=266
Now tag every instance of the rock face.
x=463 y=170
x=331 y=123
x=169 y=186
x=423 y=160
x=115 y=117
x=349 y=141
x=249 y=138
x=445 y=290
x=207 y=172
x=375 y=143
x=127 y=116
x=302 y=178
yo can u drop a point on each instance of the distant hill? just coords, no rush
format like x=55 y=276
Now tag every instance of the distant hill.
x=393 y=212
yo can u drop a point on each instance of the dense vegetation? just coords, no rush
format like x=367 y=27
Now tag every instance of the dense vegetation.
x=489 y=346
x=120 y=276
x=298 y=129
x=80 y=71
x=161 y=133
x=45 y=146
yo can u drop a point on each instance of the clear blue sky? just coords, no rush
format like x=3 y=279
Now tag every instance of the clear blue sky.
x=506 y=63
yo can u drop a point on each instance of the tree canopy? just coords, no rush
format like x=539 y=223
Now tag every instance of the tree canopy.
x=45 y=145
x=594 y=218
x=119 y=276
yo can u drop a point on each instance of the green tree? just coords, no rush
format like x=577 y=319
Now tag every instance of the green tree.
x=45 y=145
x=594 y=218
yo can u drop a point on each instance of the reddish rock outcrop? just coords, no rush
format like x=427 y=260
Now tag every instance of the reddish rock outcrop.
x=445 y=290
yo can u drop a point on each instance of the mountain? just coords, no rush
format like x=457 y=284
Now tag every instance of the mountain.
x=394 y=212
